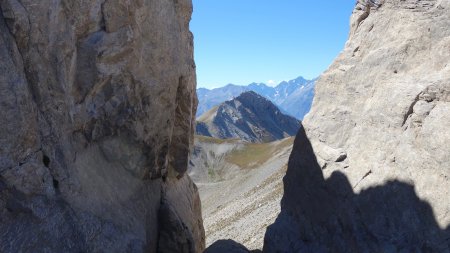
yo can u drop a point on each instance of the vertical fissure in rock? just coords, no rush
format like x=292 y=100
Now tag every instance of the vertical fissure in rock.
x=179 y=146
x=102 y=24
x=410 y=109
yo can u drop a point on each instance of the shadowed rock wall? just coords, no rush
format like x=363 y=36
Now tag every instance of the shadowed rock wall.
x=96 y=123
x=325 y=215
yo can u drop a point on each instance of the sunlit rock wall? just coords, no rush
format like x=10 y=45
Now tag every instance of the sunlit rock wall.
x=376 y=176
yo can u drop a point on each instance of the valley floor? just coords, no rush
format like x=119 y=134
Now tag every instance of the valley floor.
x=241 y=207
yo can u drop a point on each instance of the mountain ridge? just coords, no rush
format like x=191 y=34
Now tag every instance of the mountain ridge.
x=250 y=117
x=293 y=97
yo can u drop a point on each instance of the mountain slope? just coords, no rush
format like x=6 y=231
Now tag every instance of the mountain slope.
x=249 y=117
x=291 y=91
x=207 y=99
x=251 y=176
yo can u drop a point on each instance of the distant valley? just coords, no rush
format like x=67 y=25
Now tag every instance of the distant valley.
x=240 y=185
x=293 y=97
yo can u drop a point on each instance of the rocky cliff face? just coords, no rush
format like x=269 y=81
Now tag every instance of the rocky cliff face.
x=248 y=117
x=375 y=177
x=97 y=116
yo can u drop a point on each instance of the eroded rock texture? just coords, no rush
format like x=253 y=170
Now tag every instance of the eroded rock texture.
x=97 y=115
x=379 y=127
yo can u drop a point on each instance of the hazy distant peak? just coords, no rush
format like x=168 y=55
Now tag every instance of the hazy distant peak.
x=298 y=92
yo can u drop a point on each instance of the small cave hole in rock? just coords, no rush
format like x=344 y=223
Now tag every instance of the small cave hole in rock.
x=46 y=161
x=55 y=184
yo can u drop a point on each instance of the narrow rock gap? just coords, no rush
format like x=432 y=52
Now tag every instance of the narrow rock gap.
x=102 y=18
x=181 y=125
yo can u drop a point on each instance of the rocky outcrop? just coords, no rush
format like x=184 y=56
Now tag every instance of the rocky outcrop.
x=97 y=119
x=375 y=177
x=248 y=117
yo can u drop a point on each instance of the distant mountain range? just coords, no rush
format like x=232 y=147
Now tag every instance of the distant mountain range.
x=248 y=117
x=293 y=97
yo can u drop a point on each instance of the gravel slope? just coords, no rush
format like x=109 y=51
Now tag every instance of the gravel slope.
x=245 y=200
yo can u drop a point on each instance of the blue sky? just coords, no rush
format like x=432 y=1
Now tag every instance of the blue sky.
x=245 y=41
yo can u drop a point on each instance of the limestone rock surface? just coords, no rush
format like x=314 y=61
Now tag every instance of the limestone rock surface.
x=96 y=123
x=376 y=176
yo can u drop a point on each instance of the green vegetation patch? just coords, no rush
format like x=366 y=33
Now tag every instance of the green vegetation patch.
x=256 y=154
x=208 y=139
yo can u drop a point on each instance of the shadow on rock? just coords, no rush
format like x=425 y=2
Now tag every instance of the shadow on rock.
x=228 y=246
x=319 y=215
